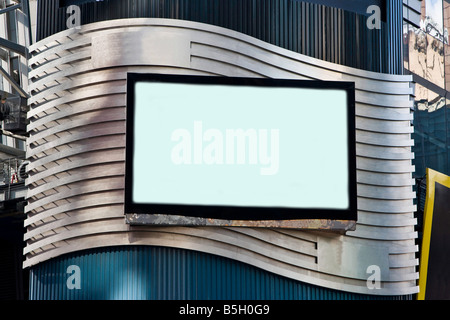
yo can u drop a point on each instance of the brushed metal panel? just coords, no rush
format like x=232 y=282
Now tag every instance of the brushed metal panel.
x=390 y=193
x=384 y=126
x=381 y=152
x=113 y=197
x=280 y=240
x=57 y=50
x=386 y=206
x=40 y=79
x=380 y=99
x=397 y=262
x=385 y=179
x=283 y=67
x=79 y=95
x=242 y=240
x=254 y=59
x=78 y=124
x=218 y=68
x=114 y=128
x=91 y=214
x=111 y=226
x=376 y=165
x=376 y=112
x=390 y=220
x=75 y=108
x=81 y=55
x=105 y=158
x=86 y=174
x=379 y=233
x=382 y=139
x=52 y=40
x=135 y=48
x=308 y=236
x=91 y=187
x=340 y=256
x=97 y=153
x=64 y=85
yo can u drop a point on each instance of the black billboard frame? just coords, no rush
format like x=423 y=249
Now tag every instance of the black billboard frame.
x=242 y=213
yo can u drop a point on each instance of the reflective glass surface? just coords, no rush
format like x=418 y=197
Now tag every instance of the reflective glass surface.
x=435 y=61
x=430 y=131
x=433 y=20
x=417 y=51
x=427 y=56
x=446 y=5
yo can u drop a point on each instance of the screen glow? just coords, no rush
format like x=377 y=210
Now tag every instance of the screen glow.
x=204 y=144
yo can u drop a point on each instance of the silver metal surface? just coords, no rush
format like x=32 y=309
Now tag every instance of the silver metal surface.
x=77 y=155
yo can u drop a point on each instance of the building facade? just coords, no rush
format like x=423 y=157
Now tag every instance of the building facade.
x=425 y=52
x=79 y=243
x=14 y=41
x=425 y=58
x=77 y=143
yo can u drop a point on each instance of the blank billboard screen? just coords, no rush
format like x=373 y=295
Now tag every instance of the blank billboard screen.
x=240 y=148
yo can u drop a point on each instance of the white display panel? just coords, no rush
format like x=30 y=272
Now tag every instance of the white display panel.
x=246 y=146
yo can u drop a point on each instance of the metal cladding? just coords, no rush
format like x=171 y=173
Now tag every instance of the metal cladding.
x=76 y=151
x=327 y=33
x=158 y=273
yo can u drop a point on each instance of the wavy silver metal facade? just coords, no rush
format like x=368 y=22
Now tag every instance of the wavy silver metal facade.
x=76 y=151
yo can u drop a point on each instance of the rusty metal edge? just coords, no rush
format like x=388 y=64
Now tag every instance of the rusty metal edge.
x=341 y=226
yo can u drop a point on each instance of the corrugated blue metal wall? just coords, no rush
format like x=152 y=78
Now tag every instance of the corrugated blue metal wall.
x=158 y=273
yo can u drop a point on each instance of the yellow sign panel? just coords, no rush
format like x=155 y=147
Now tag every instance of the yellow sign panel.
x=433 y=283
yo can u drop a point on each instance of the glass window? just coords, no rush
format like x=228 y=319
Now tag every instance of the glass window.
x=20 y=144
x=433 y=20
x=430 y=131
x=447 y=43
x=417 y=51
x=406 y=45
x=446 y=20
x=426 y=50
x=11 y=23
x=435 y=61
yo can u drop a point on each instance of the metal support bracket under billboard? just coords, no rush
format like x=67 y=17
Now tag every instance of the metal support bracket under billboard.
x=337 y=226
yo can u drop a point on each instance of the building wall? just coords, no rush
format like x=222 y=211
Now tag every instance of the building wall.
x=163 y=273
x=77 y=152
x=13 y=33
x=335 y=32
x=426 y=57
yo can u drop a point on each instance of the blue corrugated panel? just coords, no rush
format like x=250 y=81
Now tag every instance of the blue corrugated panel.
x=158 y=273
